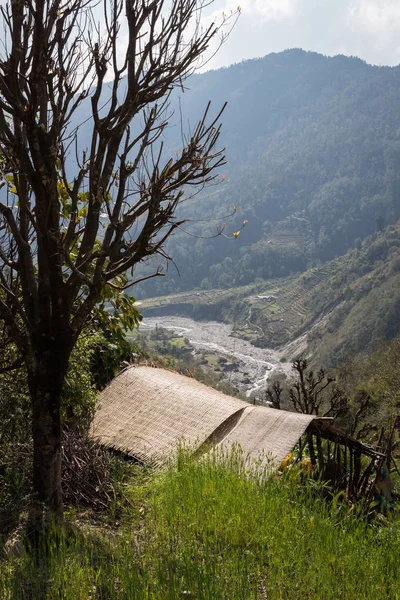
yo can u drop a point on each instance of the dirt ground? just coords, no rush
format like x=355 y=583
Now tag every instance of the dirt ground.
x=255 y=365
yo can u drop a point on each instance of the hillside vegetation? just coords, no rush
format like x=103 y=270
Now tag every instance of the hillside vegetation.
x=313 y=148
x=340 y=308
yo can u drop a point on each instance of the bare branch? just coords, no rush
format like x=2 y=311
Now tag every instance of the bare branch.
x=69 y=233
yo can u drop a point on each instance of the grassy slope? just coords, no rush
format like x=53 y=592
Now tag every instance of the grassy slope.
x=206 y=531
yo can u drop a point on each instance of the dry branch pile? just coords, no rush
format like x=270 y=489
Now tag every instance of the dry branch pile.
x=89 y=473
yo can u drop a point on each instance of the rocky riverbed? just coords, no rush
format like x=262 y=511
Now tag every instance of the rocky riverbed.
x=253 y=366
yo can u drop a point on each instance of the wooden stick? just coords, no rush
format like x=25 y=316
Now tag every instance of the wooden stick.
x=357 y=468
x=311 y=448
x=364 y=479
x=369 y=495
x=320 y=452
x=350 y=486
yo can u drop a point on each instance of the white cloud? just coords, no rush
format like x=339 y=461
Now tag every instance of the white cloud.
x=377 y=23
x=269 y=10
x=375 y=16
x=261 y=11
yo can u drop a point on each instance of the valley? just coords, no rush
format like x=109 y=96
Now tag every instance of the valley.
x=215 y=345
x=341 y=308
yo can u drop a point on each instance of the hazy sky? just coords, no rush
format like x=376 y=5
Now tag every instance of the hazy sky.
x=369 y=29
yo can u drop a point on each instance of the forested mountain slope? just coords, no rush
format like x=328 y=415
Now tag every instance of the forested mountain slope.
x=313 y=148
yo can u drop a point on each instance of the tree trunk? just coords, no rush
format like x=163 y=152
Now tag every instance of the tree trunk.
x=45 y=383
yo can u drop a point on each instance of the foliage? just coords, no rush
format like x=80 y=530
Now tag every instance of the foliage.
x=78 y=404
x=384 y=371
x=15 y=445
x=113 y=318
x=373 y=385
x=207 y=530
x=79 y=393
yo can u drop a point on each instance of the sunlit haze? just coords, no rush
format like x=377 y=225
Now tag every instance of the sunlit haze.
x=369 y=29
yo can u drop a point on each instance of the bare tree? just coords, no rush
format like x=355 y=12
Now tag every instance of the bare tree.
x=273 y=395
x=66 y=239
x=311 y=393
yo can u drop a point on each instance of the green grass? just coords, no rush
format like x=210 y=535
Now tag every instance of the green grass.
x=212 y=359
x=206 y=530
x=178 y=342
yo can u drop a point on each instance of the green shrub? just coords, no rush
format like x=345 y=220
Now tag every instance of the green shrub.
x=79 y=400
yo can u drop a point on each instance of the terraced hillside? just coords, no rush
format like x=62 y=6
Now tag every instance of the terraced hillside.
x=342 y=307
x=281 y=310
x=268 y=313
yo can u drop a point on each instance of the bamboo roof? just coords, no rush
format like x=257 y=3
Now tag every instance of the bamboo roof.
x=145 y=412
x=268 y=433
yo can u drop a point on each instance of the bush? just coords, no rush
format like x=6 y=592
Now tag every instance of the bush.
x=79 y=401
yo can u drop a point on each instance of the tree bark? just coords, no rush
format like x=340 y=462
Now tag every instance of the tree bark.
x=46 y=383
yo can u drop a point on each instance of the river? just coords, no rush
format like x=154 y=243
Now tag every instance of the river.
x=255 y=365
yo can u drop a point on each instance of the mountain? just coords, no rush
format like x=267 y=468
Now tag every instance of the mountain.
x=313 y=150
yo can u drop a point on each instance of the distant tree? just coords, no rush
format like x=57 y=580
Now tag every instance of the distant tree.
x=68 y=239
x=311 y=393
x=315 y=393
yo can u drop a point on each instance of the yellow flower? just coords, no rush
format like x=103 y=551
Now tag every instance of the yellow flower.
x=285 y=461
